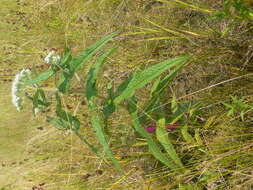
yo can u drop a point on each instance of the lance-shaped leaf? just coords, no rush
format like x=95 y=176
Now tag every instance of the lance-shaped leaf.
x=78 y=61
x=64 y=82
x=109 y=106
x=158 y=87
x=95 y=121
x=41 y=77
x=91 y=92
x=122 y=87
x=162 y=136
x=67 y=57
x=140 y=79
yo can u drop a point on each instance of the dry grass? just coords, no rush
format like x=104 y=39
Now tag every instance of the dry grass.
x=33 y=153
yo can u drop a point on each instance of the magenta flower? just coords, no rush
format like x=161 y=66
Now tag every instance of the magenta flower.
x=169 y=128
x=151 y=128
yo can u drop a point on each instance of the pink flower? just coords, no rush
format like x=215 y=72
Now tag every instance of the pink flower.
x=151 y=128
x=169 y=128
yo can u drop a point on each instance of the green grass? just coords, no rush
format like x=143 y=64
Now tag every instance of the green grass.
x=215 y=148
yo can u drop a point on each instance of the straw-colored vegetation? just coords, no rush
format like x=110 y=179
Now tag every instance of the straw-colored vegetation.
x=192 y=85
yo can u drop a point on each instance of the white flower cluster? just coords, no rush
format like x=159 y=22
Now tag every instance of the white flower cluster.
x=16 y=88
x=37 y=110
x=52 y=58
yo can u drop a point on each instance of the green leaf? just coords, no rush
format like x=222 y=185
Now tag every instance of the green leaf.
x=162 y=136
x=95 y=121
x=78 y=61
x=155 y=86
x=140 y=79
x=58 y=101
x=92 y=75
x=227 y=105
x=67 y=74
x=67 y=57
x=153 y=147
x=41 y=77
x=35 y=99
x=109 y=107
x=64 y=82
x=123 y=86
x=231 y=112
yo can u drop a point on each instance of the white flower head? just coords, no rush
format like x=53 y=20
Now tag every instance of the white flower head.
x=52 y=58
x=17 y=84
x=36 y=111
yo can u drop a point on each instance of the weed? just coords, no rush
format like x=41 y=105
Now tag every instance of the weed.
x=67 y=66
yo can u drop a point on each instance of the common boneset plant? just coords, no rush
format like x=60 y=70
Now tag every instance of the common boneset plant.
x=66 y=66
